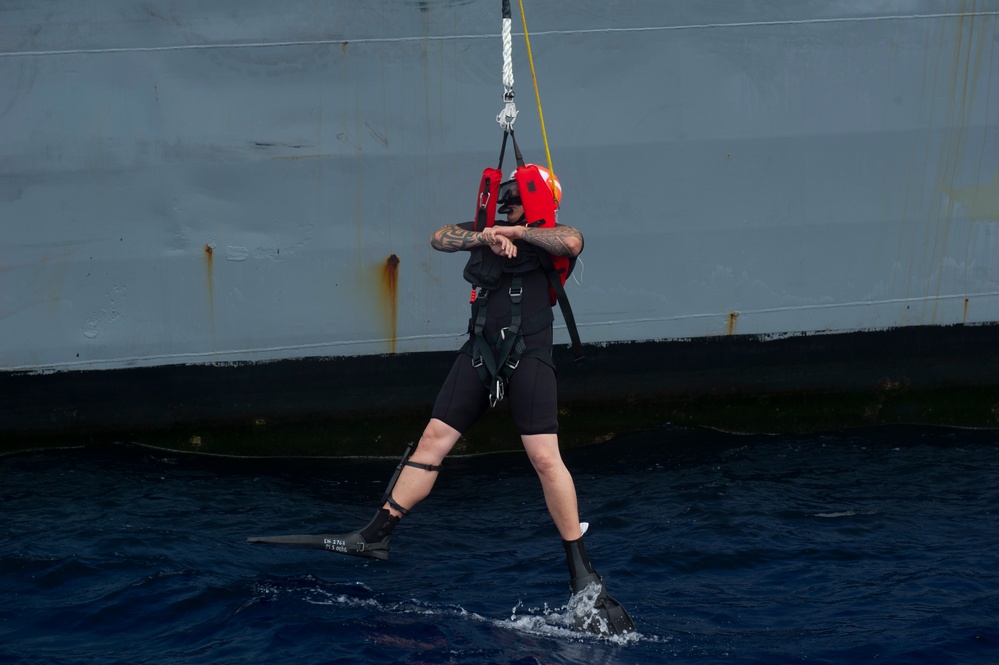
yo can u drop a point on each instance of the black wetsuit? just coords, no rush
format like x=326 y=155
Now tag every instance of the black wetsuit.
x=531 y=390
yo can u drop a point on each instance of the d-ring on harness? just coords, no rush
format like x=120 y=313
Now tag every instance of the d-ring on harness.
x=387 y=498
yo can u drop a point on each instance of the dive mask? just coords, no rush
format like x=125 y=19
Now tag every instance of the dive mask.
x=506 y=198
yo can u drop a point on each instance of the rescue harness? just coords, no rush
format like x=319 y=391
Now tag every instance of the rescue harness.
x=497 y=357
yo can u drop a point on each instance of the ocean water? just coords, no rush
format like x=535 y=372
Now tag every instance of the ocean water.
x=872 y=546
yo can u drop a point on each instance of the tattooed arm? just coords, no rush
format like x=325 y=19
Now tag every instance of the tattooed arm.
x=560 y=240
x=453 y=238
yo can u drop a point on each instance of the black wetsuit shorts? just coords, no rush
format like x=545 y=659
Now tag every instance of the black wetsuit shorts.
x=531 y=394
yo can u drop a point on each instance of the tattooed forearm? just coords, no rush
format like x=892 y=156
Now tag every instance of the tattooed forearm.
x=451 y=238
x=559 y=240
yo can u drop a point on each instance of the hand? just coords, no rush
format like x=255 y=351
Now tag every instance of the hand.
x=503 y=247
x=500 y=239
x=511 y=232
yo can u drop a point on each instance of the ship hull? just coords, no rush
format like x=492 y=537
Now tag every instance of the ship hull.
x=231 y=190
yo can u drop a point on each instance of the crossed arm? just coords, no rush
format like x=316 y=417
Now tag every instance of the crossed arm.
x=559 y=240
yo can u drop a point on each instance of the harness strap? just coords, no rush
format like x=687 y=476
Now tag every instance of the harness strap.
x=495 y=363
x=482 y=356
x=563 y=302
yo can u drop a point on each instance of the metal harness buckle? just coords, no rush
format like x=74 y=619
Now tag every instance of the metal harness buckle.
x=496 y=395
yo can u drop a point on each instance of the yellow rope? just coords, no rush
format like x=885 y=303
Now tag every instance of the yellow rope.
x=537 y=96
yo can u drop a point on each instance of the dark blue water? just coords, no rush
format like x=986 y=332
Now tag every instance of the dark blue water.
x=875 y=546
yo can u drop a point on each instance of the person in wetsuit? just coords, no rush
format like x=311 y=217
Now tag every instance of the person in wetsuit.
x=508 y=258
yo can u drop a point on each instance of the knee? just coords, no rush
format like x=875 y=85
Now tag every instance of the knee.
x=542 y=450
x=436 y=442
x=547 y=464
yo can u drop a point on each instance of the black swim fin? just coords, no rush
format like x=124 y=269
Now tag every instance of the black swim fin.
x=608 y=616
x=353 y=543
x=593 y=608
x=372 y=541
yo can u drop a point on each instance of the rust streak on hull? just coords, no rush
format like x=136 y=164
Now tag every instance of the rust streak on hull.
x=390 y=288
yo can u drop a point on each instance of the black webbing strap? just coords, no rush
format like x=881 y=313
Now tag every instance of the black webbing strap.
x=516 y=149
x=425 y=467
x=392 y=502
x=563 y=303
x=398 y=469
x=417 y=465
x=495 y=363
x=503 y=148
x=387 y=497
x=482 y=355
x=510 y=344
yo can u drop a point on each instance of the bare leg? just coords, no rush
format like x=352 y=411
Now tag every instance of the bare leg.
x=607 y=616
x=414 y=484
x=556 y=481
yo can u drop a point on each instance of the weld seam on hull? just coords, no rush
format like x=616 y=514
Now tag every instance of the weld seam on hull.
x=208 y=356
x=792 y=308
x=392 y=40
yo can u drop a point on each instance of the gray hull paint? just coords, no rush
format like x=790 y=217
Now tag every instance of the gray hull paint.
x=185 y=182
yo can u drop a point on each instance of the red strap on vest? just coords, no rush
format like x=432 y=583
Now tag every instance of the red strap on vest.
x=485 y=205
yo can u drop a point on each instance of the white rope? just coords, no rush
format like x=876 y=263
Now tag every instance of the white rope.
x=508 y=115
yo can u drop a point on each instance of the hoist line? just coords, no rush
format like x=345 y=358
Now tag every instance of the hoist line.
x=508 y=115
x=537 y=95
x=507 y=53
